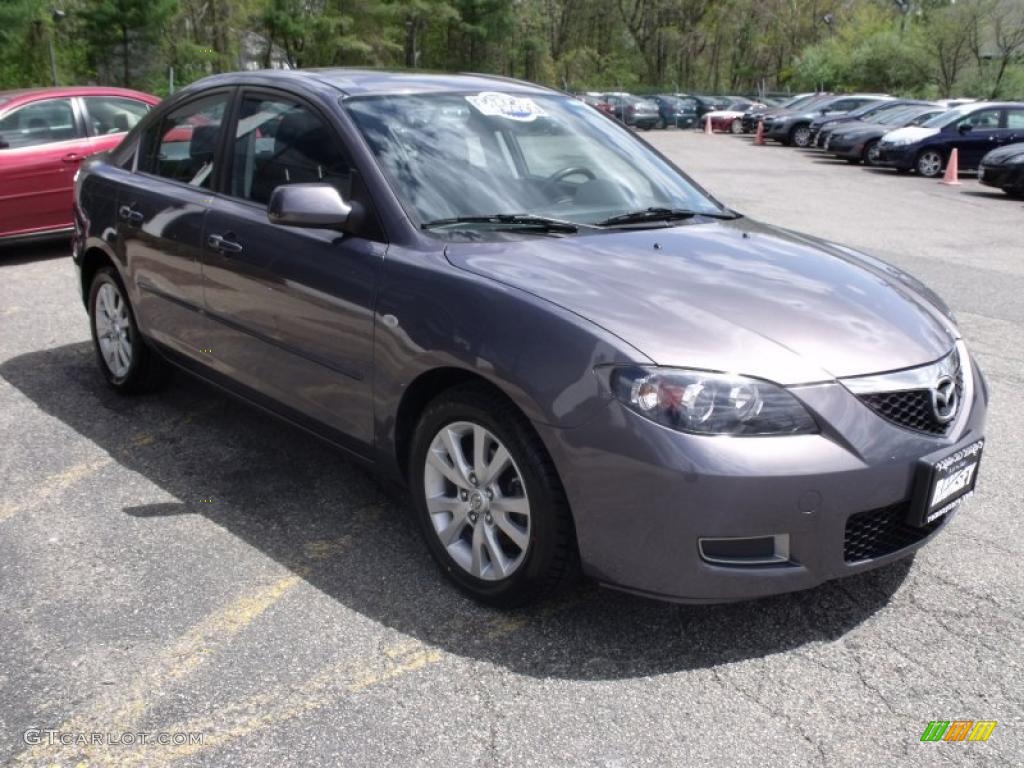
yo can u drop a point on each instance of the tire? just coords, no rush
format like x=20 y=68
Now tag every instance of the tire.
x=1016 y=194
x=662 y=124
x=126 y=361
x=929 y=163
x=800 y=135
x=736 y=126
x=542 y=556
x=852 y=160
x=870 y=154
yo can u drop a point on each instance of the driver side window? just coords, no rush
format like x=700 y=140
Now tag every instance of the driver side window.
x=985 y=120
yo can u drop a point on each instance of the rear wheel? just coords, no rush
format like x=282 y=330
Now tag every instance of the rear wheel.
x=736 y=126
x=127 y=363
x=800 y=135
x=929 y=163
x=871 y=153
x=488 y=500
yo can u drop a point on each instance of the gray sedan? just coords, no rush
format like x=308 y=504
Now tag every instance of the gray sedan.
x=570 y=354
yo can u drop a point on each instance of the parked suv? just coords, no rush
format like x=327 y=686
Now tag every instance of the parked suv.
x=634 y=110
x=44 y=135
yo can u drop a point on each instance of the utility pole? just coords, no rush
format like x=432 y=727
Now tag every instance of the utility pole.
x=57 y=15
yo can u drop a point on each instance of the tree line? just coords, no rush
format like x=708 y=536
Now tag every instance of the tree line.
x=929 y=48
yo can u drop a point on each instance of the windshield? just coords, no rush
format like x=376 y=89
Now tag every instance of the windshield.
x=942 y=120
x=455 y=155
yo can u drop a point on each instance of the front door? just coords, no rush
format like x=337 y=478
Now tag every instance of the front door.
x=41 y=145
x=161 y=209
x=975 y=135
x=292 y=308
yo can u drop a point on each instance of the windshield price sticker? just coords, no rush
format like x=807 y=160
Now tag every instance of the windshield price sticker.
x=494 y=104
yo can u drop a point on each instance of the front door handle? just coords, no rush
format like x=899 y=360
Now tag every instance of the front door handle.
x=73 y=157
x=224 y=244
x=129 y=214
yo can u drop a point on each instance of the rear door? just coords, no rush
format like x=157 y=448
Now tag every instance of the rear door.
x=160 y=211
x=1013 y=131
x=41 y=144
x=292 y=307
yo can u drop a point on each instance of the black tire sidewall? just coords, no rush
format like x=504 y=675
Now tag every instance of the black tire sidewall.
x=542 y=548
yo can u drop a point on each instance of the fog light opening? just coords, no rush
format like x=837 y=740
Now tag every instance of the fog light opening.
x=746 y=550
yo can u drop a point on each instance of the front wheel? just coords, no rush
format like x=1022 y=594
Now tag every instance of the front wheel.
x=736 y=126
x=488 y=499
x=929 y=163
x=800 y=136
x=127 y=363
x=872 y=155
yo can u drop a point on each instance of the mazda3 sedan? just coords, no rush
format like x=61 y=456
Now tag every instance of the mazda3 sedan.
x=571 y=354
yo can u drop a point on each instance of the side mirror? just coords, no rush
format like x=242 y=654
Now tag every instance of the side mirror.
x=308 y=205
x=965 y=128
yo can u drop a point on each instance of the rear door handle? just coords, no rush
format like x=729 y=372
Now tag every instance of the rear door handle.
x=73 y=157
x=224 y=244
x=129 y=214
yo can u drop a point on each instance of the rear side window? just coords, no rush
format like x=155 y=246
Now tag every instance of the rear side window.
x=113 y=114
x=41 y=122
x=1015 y=119
x=182 y=145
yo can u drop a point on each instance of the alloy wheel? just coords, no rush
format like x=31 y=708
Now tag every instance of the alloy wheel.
x=802 y=136
x=113 y=330
x=929 y=164
x=736 y=126
x=477 y=501
x=872 y=153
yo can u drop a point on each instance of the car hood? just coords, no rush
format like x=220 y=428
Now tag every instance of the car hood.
x=1004 y=154
x=912 y=132
x=729 y=296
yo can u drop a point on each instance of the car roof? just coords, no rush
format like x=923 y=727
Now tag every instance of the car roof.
x=24 y=95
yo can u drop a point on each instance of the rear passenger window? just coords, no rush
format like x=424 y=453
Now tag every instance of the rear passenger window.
x=41 y=122
x=1015 y=119
x=182 y=146
x=113 y=114
x=279 y=141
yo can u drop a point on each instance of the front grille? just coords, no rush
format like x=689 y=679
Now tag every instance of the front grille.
x=912 y=408
x=881 y=532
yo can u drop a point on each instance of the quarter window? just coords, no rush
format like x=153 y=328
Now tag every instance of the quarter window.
x=182 y=145
x=113 y=114
x=278 y=141
x=41 y=122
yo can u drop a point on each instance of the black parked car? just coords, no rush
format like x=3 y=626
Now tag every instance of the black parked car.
x=680 y=111
x=793 y=127
x=858 y=142
x=752 y=118
x=823 y=127
x=1004 y=168
x=973 y=130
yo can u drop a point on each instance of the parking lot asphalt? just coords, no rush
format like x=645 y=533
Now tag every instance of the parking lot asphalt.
x=180 y=563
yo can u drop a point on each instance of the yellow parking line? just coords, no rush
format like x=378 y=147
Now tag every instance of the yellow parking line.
x=54 y=484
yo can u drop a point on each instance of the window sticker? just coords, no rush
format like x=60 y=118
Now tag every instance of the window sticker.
x=494 y=104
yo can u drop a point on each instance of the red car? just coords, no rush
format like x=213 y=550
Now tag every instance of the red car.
x=44 y=135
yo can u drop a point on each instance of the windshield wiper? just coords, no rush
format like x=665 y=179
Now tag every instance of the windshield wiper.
x=515 y=219
x=663 y=214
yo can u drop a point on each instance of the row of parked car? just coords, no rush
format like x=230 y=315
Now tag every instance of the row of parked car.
x=679 y=110
x=907 y=135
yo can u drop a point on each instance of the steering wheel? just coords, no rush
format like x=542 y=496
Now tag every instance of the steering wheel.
x=564 y=173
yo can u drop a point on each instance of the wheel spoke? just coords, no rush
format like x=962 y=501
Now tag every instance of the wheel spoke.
x=480 y=436
x=518 y=535
x=437 y=461
x=517 y=505
x=453 y=445
x=499 y=462
x=451 y=532
x=498 y=560
x=476 y=565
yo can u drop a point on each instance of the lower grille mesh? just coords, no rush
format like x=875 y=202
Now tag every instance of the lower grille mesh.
x=880 y=532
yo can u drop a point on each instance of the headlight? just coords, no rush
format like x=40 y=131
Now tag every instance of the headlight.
x=899 y=142
x=710 y=403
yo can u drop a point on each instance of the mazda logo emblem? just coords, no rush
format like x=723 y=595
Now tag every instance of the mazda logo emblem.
x=944 y=399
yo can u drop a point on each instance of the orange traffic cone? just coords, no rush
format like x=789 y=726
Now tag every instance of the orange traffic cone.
x=759 y=136
x=707 y=125
x=952 y=170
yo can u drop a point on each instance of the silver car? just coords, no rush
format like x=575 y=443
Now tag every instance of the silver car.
x=569 y=353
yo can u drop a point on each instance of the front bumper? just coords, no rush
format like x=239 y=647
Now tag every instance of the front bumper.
x=1002 y=176
x=896 y=157
x=642 y=507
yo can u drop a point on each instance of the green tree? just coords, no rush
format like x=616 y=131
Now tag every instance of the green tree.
x=119 y=33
